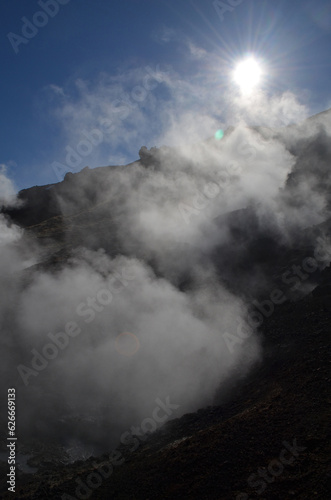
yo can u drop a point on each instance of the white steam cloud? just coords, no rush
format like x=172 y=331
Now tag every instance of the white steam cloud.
x=140 y=309
x=7 y=188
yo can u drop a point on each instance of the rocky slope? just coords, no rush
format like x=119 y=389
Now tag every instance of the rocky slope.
x=232 y=450
x=266 y=435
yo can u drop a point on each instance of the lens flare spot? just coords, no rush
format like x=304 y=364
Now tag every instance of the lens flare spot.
x=219 y=135
x=127 y=344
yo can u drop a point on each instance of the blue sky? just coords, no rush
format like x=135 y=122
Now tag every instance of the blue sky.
x=95 y=80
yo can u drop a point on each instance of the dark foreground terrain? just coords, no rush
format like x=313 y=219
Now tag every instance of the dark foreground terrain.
x=267 y=435
x=222 y=451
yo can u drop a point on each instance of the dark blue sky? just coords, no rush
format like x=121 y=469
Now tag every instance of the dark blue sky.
x=142 y=65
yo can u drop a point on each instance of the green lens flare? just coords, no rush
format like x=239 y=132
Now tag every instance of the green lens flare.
x=219 y=135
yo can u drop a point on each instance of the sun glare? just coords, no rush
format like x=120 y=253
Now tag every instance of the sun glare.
x=247 y=75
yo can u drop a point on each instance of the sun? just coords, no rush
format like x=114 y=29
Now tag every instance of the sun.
x=247 y=75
